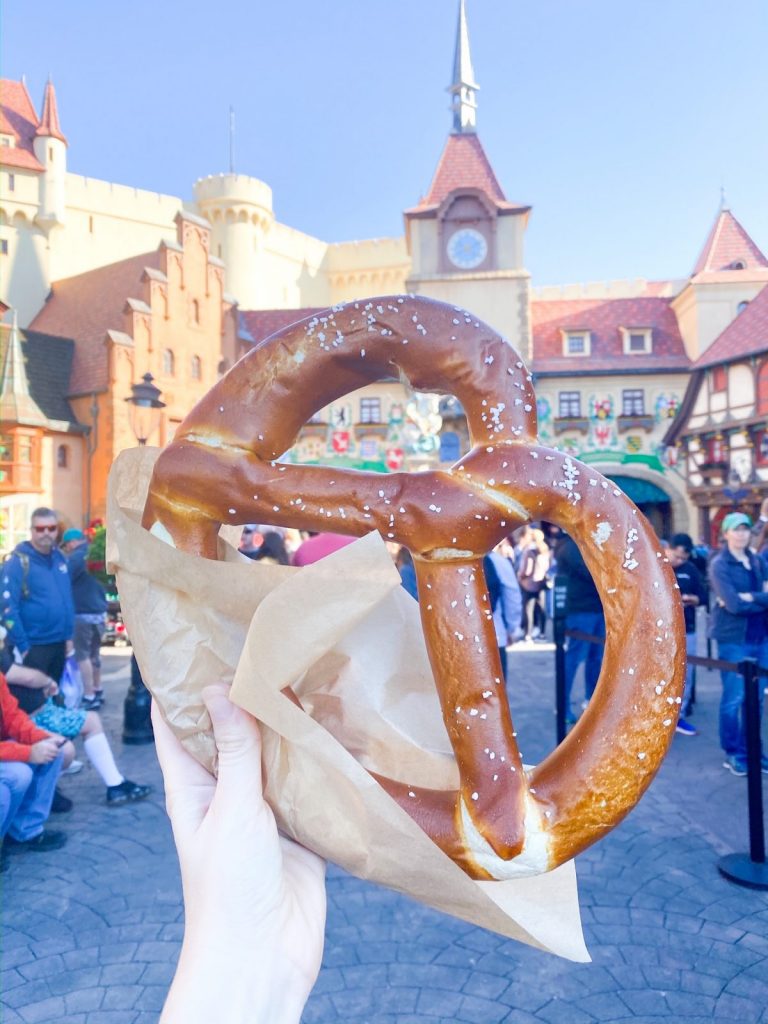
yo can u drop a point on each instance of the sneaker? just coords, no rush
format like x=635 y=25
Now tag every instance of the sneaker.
x=126 y=792
x=41 y=843
x=735 y=765
x=685 y=728
x=61 y=804
x=91 y=702
x=74 y=768
x=99 y=695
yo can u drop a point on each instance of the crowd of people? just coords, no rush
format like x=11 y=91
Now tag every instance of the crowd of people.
x=53 y=609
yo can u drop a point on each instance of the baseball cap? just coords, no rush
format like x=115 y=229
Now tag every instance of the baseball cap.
x=734 y=519
x=72 y=534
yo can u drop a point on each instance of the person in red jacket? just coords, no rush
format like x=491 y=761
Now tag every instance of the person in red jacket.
x=30 y=762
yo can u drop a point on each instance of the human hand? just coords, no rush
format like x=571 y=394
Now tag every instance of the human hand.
x=70 y=648
x=746 y=596
x=45 y=751
x=254 y=900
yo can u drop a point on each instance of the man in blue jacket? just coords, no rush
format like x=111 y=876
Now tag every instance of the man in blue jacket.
x=90 y=616
x=739 y=581
x=37 y=606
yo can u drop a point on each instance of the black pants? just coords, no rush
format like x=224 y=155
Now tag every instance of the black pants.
x=48 y=658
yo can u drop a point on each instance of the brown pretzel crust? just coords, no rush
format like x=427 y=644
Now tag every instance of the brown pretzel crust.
x=449 y=519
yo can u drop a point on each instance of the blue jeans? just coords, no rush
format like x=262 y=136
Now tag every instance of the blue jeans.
x=26 y=795
x=732 y=738
x=578 y=651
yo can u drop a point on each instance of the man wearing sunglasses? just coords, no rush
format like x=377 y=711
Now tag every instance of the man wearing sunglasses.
x=37 y=608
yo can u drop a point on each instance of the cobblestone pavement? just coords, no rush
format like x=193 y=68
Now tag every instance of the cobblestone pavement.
x=91 y=932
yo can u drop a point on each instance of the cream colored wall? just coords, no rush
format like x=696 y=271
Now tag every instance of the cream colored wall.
x=103 y=223
x=736 y=402
x=705 y=309
x=500 y=298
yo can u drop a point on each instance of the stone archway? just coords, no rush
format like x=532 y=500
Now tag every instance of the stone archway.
x=659 y=491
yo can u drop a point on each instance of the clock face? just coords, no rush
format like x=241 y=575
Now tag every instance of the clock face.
x=467 y=248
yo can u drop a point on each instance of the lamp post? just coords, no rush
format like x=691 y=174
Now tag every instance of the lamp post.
x=144 y=410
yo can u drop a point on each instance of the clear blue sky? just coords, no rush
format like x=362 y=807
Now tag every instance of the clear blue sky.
x=616 y=120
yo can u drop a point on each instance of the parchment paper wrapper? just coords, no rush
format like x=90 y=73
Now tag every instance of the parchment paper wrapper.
x=347 y=638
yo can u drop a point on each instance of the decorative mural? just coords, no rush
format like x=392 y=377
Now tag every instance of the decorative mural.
x=602 y=423
x=544 y=415
x=667 y=407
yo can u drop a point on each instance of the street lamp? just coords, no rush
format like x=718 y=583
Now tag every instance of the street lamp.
x=144 y=407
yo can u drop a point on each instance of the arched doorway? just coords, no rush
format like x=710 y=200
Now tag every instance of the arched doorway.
x=653 y=502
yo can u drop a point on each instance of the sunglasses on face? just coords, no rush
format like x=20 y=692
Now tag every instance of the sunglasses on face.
x=45 y=529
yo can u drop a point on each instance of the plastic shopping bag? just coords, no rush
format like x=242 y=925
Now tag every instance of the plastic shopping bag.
x=71 y=683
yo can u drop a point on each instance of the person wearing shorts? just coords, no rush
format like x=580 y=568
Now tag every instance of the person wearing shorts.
x=46 y=714
x=90 y=603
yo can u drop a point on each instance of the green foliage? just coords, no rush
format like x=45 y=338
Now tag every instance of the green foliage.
x=96 y=560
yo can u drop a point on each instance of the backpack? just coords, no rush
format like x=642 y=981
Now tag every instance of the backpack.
x=23 y=558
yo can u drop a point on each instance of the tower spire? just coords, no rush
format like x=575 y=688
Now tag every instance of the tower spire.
x=16 y=403
x=463 y=87
x=49 y=126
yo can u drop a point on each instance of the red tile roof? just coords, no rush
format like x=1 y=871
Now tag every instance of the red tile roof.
x=49 y=119
x=747 y=335
x=262 y=323
x=18 y=119
x=85 y=307
x=603 y=318
x=728 y=244
x=463 y=164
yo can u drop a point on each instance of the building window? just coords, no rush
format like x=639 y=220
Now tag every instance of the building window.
x=11 y=182
x=370 y=410
x=762 y=389
x=719 y=378
x=741 y=307
x=7 y=140
x=576 y=343
x=716 y=451
x=90 y=225
x=62 y=456
x=637 y=340
x=738 y=265
x=633 y=402
x=569 y=404
x=169 y=363
x=50 y=154
x=196 y=368
x=3 y=246
x=194 y=311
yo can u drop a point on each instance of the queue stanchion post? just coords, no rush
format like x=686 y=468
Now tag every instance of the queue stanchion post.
x=559 y=595
x=750 y=869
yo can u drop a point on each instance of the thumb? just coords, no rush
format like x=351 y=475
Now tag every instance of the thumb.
x=238 y=742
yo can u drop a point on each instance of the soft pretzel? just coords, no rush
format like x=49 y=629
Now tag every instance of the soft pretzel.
x=222 y=468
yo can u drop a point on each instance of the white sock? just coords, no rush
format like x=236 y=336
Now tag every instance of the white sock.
x=101 y=757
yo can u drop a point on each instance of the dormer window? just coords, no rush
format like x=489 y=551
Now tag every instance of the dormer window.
x=7 y=140
x=576 y=343
x=741 y=307
x=637 y=340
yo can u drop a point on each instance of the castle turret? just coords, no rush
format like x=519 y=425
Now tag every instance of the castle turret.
x=239 y=209
x=50 y=147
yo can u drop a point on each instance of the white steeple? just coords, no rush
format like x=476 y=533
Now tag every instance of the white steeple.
x=462 y=90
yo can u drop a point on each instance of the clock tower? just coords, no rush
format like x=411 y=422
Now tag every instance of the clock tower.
x=465 y=239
